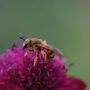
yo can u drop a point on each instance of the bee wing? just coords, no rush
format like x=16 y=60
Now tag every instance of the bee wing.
x=19 y=43
x=58 y=52
x=68 y=67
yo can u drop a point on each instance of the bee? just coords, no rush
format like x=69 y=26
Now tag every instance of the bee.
x=39 y=46
x=47 y=51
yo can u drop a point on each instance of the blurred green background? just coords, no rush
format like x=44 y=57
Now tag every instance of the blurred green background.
x=63 y=23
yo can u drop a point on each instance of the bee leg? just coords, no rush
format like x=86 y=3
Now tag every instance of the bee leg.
x=35 y=60
x=34 y=48
x=25 y=54
x=44 y=55
x=68 y=67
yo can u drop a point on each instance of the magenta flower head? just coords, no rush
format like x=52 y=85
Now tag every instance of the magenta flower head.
x=35 y=65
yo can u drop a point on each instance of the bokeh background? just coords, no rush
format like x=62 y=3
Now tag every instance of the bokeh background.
x=63 y=23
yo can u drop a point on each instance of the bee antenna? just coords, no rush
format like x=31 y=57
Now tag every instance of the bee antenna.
x=21 y=36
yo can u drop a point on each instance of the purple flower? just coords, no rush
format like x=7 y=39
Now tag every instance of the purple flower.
x=20 y=71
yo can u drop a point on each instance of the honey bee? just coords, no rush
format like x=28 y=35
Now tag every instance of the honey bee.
x=47 y=51
x=39 y=46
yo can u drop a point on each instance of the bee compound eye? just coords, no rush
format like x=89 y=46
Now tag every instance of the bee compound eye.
x=25 y=46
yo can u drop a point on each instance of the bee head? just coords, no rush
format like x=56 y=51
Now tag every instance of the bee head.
x=26 y=43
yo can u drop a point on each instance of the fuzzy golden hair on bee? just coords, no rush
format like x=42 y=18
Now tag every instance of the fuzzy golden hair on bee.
x=47 y=51
x=41 y=47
